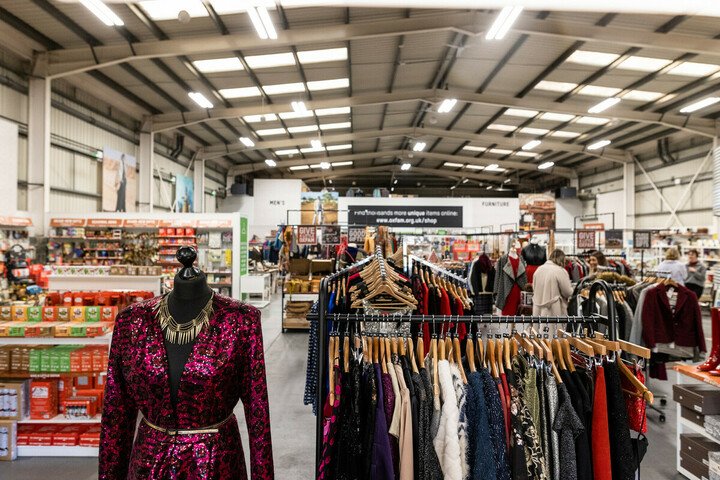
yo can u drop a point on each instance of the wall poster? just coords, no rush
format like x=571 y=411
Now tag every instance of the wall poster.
x=331 y=235
x=585 y=239
x=404 y=216
x=537 y=211
x=119 y=193
x=306 y=235
x=319 y=208
x=641 y=239
x=184 y=194
x=356 y=235
x=613 y=239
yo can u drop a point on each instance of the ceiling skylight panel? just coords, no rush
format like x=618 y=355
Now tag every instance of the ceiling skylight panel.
x=242 y=92
x=283 y=88
x=526 y=154
x=500 y=151
x=475 y=167
x=694 y=69
x=557 y=117
x=292 y=115
x=328 y=84
x=534 y=131
x=335 y=126
x=291 y=151
x=324 y=112
x=170 y=9
x=269 y=117
x=501 y=127
x=598 y=91
x=215 y=65
x=592 y=120
x=302 y=129
x=550 y=86
x=271 y=131
x=333 y=148
x=595 y=59
x=325 y=55
x=642 y=96
x=521 y=112
x=644 y=64
x=271 y=60
x=227 y=7
x=473 y=148
x=564 y=134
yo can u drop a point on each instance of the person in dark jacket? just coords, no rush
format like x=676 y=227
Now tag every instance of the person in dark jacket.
x=696 y=270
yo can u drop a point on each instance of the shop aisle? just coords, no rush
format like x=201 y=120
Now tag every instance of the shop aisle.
x=293 y=425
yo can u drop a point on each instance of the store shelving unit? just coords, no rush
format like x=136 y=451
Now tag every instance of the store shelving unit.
x=57 y=451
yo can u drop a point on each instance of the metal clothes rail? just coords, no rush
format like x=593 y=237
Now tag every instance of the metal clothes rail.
x=323 y=318
x=436 y=268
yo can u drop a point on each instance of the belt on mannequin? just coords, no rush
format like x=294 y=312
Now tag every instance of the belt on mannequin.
x=214 y=428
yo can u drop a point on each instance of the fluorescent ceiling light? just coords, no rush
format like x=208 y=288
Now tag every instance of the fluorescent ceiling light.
x=493 y=167
x=242 y=92
x=642 y=95
x=453 y=187
x=316 y=143
x=325 y=55
x=599 y=145
x=500 y=151
x=419 y=146
x=693 y=69
x=405 y=166
x=521 y=112
x=103 y=12
x=595 y=59
x=271 y=60
x=501 y=127
x=503 y=22
x=299 y=107
x=214 y=65
x=341 y=164
x=303 y=128
x=604 y=105
x=325 y=165
x=328 y=84
x=475 y=167
x=644 y=64
x=598 y=91
x=200 y=99
x=534 y=131
x=284 y=88
x=558 y=117
x=335 y=126
x=247 y=142
x=531 y=144
x=545 y=165
x=447 y=105
x=262 y=22
x=452 y=165
x=473 y=148
x=489 y=187
x=291 y=151
x=526 y=154
x=169 y=10
x=300 y=167
x=395 y=181
x=333 y=148
x=270 y=117
x=564 y=134
x=292 y=115
x=705 y=102
x=270 y=162
x=592 y=120
x=312 y=150
x=550 y=86
x=507 y=180
x=465 y=180
x=324 y=112
x=271 y=131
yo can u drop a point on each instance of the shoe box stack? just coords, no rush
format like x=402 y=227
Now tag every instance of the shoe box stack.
x=700 y=404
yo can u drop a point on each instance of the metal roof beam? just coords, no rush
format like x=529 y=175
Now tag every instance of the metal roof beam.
x=701 y=126
x=213 y=151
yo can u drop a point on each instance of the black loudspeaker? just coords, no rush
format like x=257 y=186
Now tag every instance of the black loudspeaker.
x=239 y=189
x=566 y=192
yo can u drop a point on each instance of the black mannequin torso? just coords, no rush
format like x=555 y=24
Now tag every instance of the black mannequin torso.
x=185 y=302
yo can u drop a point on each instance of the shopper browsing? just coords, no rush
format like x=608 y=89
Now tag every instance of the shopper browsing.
x=695 y=278
x=551 y=287
x=595 y=260
x=673 y=266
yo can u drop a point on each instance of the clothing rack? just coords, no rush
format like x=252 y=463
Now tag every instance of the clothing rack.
x=323 y=318
x=435 y=268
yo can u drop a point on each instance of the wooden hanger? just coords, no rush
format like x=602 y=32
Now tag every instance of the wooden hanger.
x=434 y=353
x=578 y=344
x=481 y=350
x=411 y=354
x=384 y=354
x=557 y=348
x=388 y=351
x=470 y=353
x=640 y=389
x=610 y=344
x=628 y=347
x=331 y=362
x=491 y=358
x=599 y=348
x=507 y=349
x=499 y=356
x=421 y=350
x=401 y=347
x=376 y=349
x=458 y=358
x=346 y=353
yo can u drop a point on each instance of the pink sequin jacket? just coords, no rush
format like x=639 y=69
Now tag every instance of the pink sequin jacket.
x=226 y=365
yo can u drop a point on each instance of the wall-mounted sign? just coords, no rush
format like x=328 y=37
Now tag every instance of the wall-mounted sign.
x=15 y=222
x=214 y=223
x=594 y=226
x=140 y=223
x=178 y=223
x=67 y=222
x=585 y=239
x=404 y=216
x=356 y=235
x=613 y=239
x=105 y=222
x=243 y=246
x=331 y=235
x=307 y=235
x=641 y=239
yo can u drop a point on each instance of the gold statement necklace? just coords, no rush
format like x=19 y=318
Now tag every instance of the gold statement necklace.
x=182 y=333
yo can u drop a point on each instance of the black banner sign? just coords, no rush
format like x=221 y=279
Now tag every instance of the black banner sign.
x=403 y=216
x=331 y=235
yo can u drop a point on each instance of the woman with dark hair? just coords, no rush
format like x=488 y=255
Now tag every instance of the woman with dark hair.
x=695 y=279
x=595 y=260
x=551 y=287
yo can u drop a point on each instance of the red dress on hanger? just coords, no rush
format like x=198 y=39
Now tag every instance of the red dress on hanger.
x=513 y=299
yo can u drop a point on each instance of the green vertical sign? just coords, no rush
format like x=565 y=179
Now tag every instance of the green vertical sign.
x=243 y=246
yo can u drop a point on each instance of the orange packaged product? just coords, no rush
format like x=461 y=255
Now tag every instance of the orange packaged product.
x=100 y=359
x=49 y=314
x=42 y=435
x=68 y=435
x=83 y=382
x=100 y=380
x=43 y=399
x=77 y=314
x=90 y=437
x=23 y=434
x=65 y=390
x=108 y=314
x=63 y=314
x=81 y=406
x=5 y=314
x=19 y=314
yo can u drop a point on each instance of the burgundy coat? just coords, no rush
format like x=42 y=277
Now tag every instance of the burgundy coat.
x=226 y=365
x=661 y=325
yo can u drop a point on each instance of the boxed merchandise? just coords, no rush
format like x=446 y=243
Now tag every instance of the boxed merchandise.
x=8 y=440
x=19 y=314
x=90 y=437
x=14 y=399
x=704 y=399
x=82 y=406
x=41 y=436
x=65 y=390
x=23 y=434
x=68 y=435
x=5 y=354
x=698 y=447
x=5 y=314
x=43 y=399
x=82 y=330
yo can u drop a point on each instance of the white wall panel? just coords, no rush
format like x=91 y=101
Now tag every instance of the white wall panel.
x=13 y=104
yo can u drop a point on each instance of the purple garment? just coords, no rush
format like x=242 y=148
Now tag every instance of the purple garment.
x=389 y=409
x=382 y=466
x=226 y=365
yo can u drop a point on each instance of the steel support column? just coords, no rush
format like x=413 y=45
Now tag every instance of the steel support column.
x=628 y=217
x=199 y=181
x=38 y=174
x=147 y=167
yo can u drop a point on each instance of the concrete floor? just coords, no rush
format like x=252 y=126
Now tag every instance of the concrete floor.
x=293 y=425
